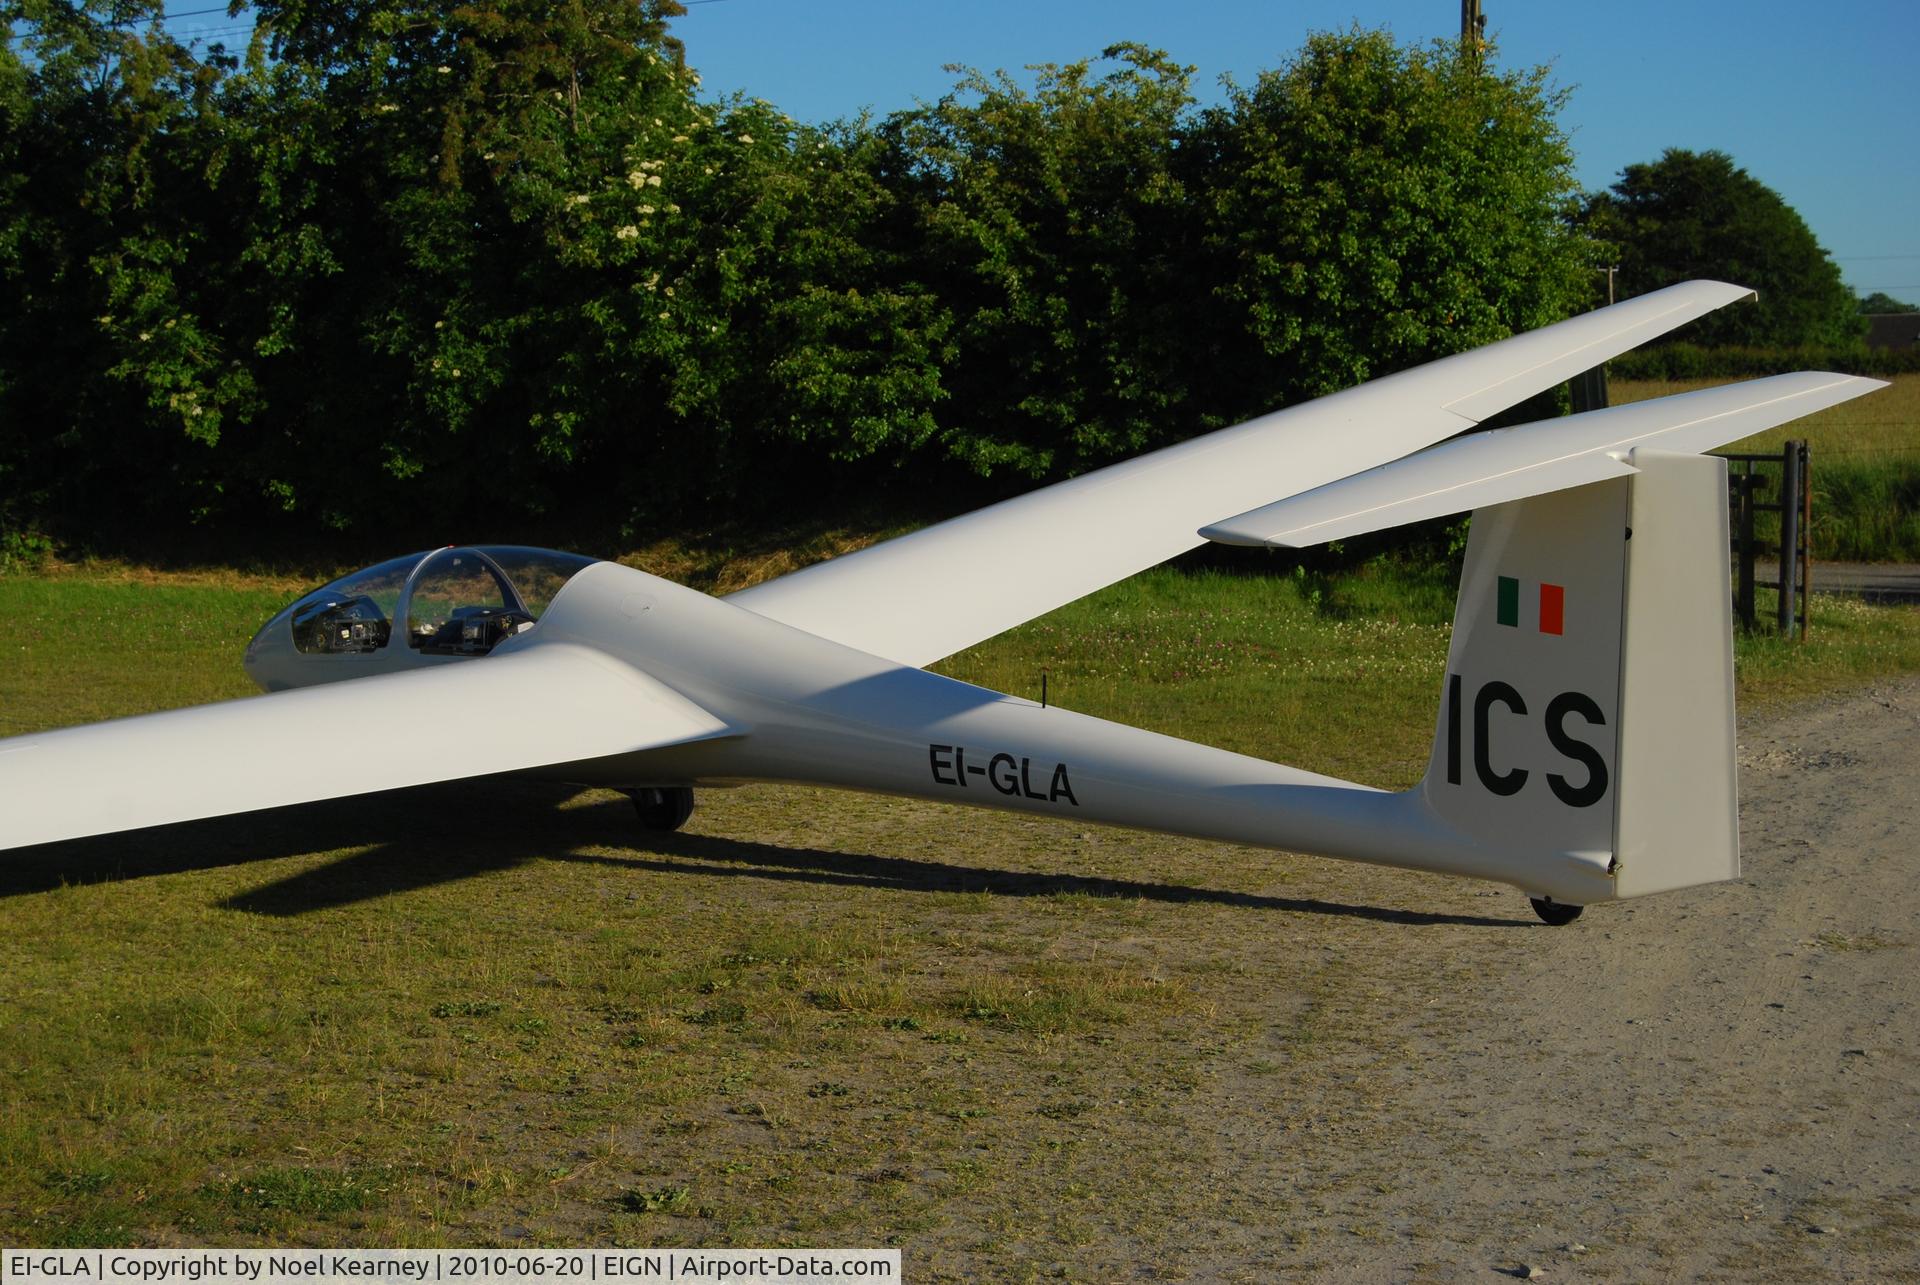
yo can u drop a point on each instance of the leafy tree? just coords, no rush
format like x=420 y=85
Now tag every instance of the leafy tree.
x=414 y=170
x=504 y=251
x=1697 y=214
x=1881 y=302
x=1369 y=206
x=458 y=263
x=1051 y=227
x=110 y=367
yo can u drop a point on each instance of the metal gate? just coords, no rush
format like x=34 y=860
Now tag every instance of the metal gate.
x=1755 y=533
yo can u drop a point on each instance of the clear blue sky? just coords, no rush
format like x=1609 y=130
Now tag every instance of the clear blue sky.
x=1820 y=101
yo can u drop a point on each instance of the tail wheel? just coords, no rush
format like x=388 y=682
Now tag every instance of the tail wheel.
x=665 y=809
x=1557 y=913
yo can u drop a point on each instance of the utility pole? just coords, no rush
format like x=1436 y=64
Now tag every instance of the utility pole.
x=1473 y=29
x=1589 y=387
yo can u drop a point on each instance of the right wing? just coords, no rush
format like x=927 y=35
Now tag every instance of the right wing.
x=936 y=591
x=536 y=706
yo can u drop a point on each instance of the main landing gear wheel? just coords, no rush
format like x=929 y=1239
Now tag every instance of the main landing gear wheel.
x=663 y=809
x=1557 y=913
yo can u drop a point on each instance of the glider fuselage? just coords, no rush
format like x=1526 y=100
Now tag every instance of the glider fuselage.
x=805 y=709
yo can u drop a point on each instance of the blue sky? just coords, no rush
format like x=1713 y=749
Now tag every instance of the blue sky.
x=1820 y=101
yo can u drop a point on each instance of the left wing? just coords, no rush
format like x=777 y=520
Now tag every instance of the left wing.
x=538 y=705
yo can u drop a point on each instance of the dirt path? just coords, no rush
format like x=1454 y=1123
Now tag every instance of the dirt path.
x=1720 y=1084
x=1874 y=581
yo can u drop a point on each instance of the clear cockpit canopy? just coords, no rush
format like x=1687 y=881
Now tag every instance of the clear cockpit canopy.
x=459 y=601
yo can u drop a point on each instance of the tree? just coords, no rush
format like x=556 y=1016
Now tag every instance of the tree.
x=508 y=260
x=419 y=174
x=115 y=384
x=1697 y=214
x=1880 y=302
x=1369 y=206
x=1050 y=226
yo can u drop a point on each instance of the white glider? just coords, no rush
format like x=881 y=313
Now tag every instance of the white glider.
x=1584 y=748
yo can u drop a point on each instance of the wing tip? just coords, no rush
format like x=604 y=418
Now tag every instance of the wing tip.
x=1733 y=292
x=1228 y=533
x=1292 y=538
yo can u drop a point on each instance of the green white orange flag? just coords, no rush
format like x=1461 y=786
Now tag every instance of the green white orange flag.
x=1553 y=606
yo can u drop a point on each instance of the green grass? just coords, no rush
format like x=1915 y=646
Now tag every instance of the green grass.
x=82 y=647
x=493 y=1013
x=1849 y=644
x=1865 y=460
x=1268 y=666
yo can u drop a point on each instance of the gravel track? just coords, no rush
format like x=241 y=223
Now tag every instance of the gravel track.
x=1717 y=1084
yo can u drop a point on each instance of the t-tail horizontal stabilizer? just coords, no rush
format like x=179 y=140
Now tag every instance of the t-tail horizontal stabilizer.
x=1483 y=469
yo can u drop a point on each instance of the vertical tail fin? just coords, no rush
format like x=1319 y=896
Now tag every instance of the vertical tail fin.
x=1586 y=723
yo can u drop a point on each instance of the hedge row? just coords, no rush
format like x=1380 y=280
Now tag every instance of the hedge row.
x=1687 y=361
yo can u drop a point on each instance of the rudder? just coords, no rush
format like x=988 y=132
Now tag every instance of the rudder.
x=1585 y=722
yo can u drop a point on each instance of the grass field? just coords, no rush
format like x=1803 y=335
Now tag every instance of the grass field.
x=499 y=1014
x=1865 y=460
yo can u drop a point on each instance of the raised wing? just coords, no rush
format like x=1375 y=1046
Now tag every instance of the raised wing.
x=1533 y=459
x=540 y=705
x=931 y=593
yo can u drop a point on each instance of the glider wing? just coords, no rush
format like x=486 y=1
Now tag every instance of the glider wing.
x=536 y=706
x=936 y=591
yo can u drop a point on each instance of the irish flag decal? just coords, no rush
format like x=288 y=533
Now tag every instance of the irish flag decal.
x=1553 y=606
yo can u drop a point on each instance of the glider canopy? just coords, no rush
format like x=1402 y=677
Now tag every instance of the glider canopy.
x=441 y=604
